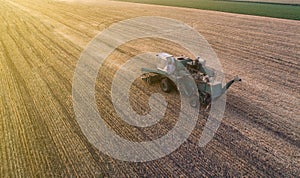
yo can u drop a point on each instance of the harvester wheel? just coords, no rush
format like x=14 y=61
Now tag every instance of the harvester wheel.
x=148 y=80
x=165 y=85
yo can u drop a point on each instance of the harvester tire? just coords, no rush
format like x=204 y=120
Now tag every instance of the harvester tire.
x=148 y=80
x=165 y=85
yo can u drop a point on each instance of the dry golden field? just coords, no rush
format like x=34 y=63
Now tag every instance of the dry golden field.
x=41 y=42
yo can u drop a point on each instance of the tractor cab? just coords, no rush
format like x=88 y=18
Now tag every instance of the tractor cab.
x=166 y=62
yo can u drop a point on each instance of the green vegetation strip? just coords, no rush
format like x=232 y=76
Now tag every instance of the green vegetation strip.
x=284 y=11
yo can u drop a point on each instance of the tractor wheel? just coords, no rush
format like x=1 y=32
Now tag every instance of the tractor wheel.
x=165 y=85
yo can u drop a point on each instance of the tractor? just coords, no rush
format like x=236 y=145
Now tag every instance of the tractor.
x=183 y=73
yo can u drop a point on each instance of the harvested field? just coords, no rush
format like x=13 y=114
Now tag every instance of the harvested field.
x=41 y=42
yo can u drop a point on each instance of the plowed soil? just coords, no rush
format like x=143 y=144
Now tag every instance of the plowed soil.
x=41 y=42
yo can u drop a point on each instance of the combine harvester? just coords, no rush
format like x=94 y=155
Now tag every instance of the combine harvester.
x=173 y=72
